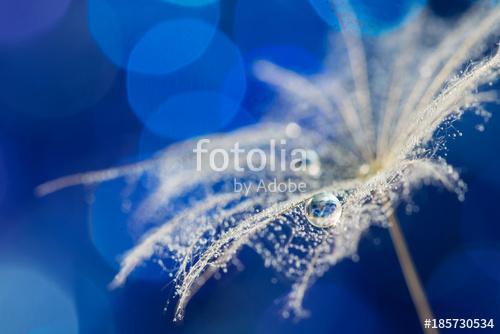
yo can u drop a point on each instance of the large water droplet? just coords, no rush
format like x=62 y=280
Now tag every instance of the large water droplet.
x=323 y=210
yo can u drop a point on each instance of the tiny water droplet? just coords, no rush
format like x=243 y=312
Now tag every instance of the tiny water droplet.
x=364 y=169
x=310 y=164
x=323 y=210
x=293 y=130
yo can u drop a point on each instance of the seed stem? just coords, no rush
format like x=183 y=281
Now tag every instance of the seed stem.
x=410 y=274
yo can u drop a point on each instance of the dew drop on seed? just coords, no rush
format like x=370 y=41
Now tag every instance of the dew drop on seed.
x=323 y=210
x=310 y=164
x=293 y=130
x=364 y=169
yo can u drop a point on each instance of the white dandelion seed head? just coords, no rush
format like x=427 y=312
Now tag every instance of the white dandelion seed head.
x=375 y=121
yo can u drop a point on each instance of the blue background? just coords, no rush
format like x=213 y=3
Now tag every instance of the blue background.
x=70 y=102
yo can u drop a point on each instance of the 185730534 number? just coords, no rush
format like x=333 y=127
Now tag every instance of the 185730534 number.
x=459 y=323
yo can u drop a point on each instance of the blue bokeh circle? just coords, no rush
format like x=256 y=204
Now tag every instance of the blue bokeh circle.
x=200 y=98
x=373 y=17
x=122 y=27
x=170 y=45
x=32 y=303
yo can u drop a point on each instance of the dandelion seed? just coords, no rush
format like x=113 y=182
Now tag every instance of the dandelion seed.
x=378 y=125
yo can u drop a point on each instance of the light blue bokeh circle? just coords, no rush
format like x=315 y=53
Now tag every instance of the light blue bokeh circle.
x=33 y=303
x=123 y=27
x=373 y=16
x=198 y=99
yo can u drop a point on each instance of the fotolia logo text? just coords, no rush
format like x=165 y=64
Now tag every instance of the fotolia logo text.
x=275 y=158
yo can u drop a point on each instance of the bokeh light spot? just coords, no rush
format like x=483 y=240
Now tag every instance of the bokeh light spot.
x=118 y=27
x=192 y=113
x=198 y=99
x=32 y=303
x=171 y=45
x=373 y=16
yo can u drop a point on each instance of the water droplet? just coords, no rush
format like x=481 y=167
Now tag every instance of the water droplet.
x=309 y=164
x=323 y=210
x=293 y=130
x=364 y=169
